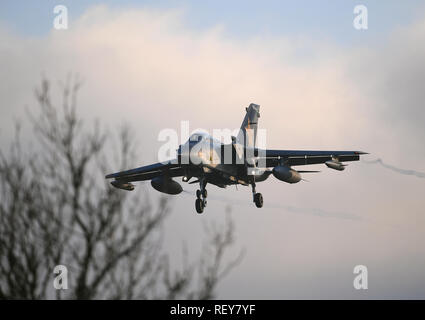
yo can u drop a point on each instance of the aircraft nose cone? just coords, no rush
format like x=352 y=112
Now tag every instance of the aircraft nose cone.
x=196 y=157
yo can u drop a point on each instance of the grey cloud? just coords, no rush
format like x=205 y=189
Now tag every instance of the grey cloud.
x=391 y=77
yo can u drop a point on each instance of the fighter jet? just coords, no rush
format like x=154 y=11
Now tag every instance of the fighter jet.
x=205 y=160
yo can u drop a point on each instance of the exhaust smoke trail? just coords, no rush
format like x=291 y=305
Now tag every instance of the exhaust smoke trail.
x=395 y=169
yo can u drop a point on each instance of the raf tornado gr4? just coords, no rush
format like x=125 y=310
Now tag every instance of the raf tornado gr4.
x=206 y=160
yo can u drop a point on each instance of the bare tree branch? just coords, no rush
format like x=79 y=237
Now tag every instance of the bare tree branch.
x=56 y=208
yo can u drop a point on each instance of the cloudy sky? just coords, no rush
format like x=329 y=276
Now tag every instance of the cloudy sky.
x=321 y=84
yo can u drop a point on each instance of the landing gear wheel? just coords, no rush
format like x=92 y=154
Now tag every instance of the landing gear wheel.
x=258 y=199
x=199 y=205
x=204 y=193
x=198 y=194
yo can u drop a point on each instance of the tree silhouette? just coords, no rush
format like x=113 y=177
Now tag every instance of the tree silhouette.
x=57 y=209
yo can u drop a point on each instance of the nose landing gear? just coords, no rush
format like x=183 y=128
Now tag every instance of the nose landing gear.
x=201 y=197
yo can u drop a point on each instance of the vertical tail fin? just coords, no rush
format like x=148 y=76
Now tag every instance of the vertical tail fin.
x=247 y=135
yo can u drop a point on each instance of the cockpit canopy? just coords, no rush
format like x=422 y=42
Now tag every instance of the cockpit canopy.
x=197 y=137
x=193 y=140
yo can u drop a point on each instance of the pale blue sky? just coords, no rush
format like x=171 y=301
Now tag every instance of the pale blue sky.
x=327 y=19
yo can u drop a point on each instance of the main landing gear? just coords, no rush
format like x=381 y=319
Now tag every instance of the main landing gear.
x=257 y=197
x=201 y=197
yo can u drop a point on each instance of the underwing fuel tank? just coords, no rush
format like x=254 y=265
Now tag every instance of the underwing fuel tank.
x=123 y=185
x=166 y=185
x=286 y=174
x=336 y=165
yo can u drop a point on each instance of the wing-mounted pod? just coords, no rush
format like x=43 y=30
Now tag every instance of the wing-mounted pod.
x=123 y=185
x=335 y=164
x=166 y=185
x=286 y=174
